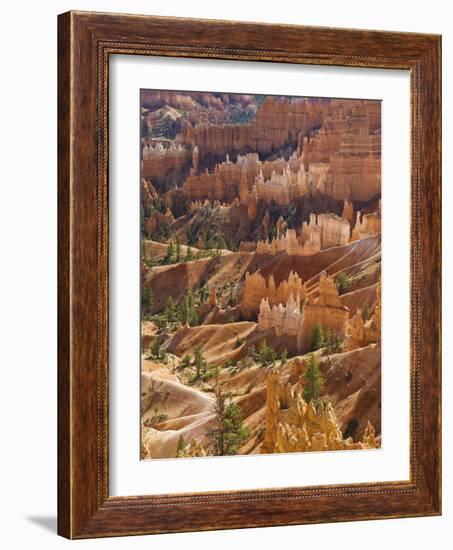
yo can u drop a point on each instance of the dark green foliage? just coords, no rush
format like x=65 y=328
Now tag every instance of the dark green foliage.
x=185 y=361
x=239 y=342
x=317 y=341
x=170 y=252
x=181 y=446
x=366 y=312
x=203 y=294
x=157 y=351
x=284 y=356
x=200 y=364
x=229 y=432
x=178 y=250
x=343 y=281
x=147 y=302
x=187 y=312
x=189 y=254
x=142 y=219
x=333 y=342
x=170 y=312
x=265 y=354
x=313 y=382
x=327 y=339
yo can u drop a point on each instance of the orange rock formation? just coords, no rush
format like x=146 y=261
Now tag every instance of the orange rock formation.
x=293 y=425
x=360 y=332
x=292 y=320
x=157 y=160
x=256 y=288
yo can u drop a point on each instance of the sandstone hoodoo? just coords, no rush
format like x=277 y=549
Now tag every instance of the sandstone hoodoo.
x=261 y=274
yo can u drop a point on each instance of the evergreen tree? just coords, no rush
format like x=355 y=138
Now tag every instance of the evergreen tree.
x=170 y=252
x=265 y=354
x=200 y=364
x=313 y=382
x=178 y=250
x=147 y=301
x=366 y=312
x=333 y=342
x=317 y=341
x=170 y=310
x=185 y=361
x=229 y=432
x=181 y=446
x=221 y=243
x=203 y=294
x=189 y=254
x=284 y=356
x=142 y=219
x=157 y=351
x=187 y=310
x=342 y=281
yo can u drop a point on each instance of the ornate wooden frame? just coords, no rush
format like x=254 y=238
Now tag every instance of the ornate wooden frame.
x=85 y=41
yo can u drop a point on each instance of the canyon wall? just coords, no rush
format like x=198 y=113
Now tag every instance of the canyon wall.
x=293 y=425
x=322 y=231
x=283 y=121
x=158 y=160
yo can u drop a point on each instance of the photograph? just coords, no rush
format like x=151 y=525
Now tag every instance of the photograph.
x=260 y=221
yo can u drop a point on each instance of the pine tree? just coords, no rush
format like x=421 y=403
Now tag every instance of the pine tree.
x=312 y=380
x=231 y=298
x=333 y=342
x=142 y=219
x=229 y=432
x=170 y=310
x=182 y=311
x=200 y=364
x=181 y=446
x=156 y=350
x=185 y=361
x=170 y=251
x=147 y=301
x=284 y=356
x=342 y=281
x=265 y=354
x=317 y=341
x=188 y=254
x=203 y=294
x=366 y=312
x=178 y=250
x=187 y=311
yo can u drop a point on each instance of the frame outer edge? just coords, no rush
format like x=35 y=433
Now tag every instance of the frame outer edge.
x=64 y=527
x=81 y=510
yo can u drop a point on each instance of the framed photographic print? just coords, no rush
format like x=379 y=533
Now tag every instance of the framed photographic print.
x=249 y=275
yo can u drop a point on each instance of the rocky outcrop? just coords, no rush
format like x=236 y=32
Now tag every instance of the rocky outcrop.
x=300 y=319
x=257 y=288
x=157 y=160
x=288 y=243
x=332 y=230
x=366 y=225
x=283 y=319
x=326 y=311
x=293 y=425
x=360 y=332
x=158 y=220
x=322 y=231
x=348 y=210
